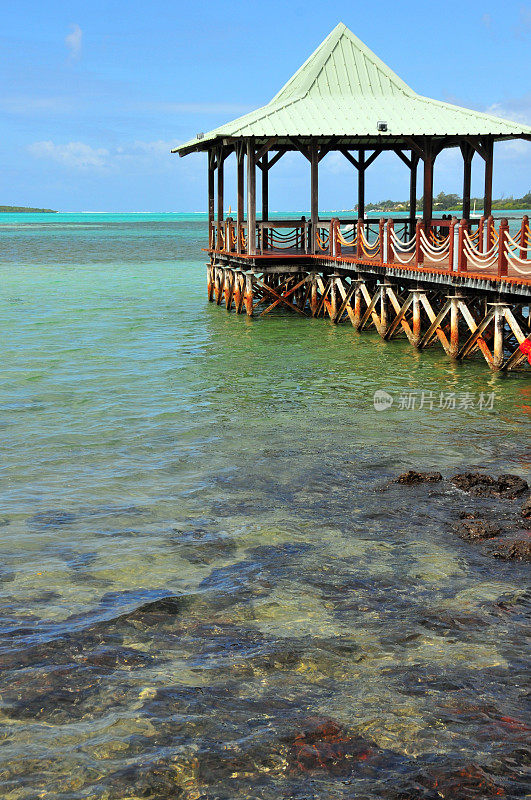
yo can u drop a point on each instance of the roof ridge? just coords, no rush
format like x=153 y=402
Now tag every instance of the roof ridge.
x=306 y=77
x=344 y=89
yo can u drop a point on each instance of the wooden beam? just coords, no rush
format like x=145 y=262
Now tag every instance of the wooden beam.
x=372 y=157
x=220 y=196
x=265 y=148
x=326 y=147
x=489 y=160
x=251 y=198
x=413 y=192
x=361 y=184
x=300 y=147
x=477 y=145
x=240 y=179
x=277 y=157
x=265 y=189
x=427 y=205
x=415 y=146
x=314 y=192
x=467 y=151
x=402 y=156
x=349 y=157
x=211 y=189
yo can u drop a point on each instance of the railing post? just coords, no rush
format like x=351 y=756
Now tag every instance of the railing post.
x=524 y=237
x=480 y=234
x=419 y=255
x=390 y=230
x=502 y=244
x=359 y=234
x=489 y=237
x=381 y=232
x=304 y=237
x=337 y=243
x=451 y=244
x=461 y=257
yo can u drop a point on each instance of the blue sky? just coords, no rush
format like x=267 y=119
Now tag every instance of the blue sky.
x=94 y=94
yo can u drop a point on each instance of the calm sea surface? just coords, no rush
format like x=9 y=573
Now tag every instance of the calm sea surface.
x=322 y=636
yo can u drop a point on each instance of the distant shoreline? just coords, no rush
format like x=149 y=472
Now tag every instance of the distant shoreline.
x=24 y=210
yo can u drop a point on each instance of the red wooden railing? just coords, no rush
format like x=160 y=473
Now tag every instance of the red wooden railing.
x=443 y=245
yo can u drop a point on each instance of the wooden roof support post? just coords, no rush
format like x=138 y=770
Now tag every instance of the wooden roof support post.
x=489 y=160
x=468 y=154
x=240 y=163
x=427 y=205
x=221 y=162
x=265 y=187
x=211 y=190
x=413 y=193
x=361 y=184
x=314 y=193
x=251 y=197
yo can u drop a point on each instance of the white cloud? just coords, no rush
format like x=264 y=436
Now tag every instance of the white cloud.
x=516 y=109
x=156 y=148
x=73 y=41
x=524 y=22
x=27 y=105
x=72 y=154
x=515 y=148
x=80 y=155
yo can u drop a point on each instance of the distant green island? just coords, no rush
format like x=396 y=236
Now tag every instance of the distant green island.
x=25 y=210
x=453 y=202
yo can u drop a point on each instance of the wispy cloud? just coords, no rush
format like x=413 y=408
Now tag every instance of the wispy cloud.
x=28 y=105
x=523 y=27
x=486 y=20
x=74 y=41
x=78 y=155
x=159 y=147
x=517 y=109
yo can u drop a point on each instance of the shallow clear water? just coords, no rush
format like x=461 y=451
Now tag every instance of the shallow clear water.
x=329 y=635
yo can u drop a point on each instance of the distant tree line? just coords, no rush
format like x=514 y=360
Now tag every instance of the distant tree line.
x=453 y=202
x=14 y=209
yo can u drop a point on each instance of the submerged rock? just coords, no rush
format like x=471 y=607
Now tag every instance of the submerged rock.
x=481 y=485
x=526 y=509
x=411 y=477
x=472 y=528
x=52 y=518
x=324 y=745
x=157 y=780
x=514 y=550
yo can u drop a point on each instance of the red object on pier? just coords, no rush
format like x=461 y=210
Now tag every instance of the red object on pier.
x=525 y=347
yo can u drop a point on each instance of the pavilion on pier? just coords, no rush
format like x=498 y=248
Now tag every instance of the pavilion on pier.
x=344 y=99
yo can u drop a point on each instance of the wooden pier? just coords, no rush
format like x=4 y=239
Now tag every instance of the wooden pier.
x=462 y=284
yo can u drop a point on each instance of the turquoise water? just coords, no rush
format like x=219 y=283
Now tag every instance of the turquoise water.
x=328 y=635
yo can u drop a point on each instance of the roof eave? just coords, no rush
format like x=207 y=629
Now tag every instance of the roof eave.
x=204 y=145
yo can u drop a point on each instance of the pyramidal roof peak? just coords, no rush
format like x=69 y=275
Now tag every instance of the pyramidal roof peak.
x=342 y=65
x=343 y=90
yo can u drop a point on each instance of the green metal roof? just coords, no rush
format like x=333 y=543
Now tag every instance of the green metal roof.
x=344 y=89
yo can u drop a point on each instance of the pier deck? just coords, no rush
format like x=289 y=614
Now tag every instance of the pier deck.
x=470 y=293
x=465 y=285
